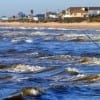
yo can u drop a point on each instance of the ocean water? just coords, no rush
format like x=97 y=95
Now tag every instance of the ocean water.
x=60 y=64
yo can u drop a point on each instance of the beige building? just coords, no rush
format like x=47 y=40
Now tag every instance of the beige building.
x=75 y=12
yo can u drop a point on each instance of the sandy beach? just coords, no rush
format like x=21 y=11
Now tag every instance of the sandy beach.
x=83 y=25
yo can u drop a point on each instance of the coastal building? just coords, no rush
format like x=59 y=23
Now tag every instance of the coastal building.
x=13 y=18
x=51 y=15
x=36 y=19
x=4 y=18
x=75 y=12
x=81 y=12
x=94 y=11
x=33 y=18
x=39 y=17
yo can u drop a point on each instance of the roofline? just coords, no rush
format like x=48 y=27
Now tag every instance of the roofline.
x=85 y=7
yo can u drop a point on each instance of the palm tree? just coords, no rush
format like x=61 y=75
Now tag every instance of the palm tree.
x=31 y=14
x=31 y=11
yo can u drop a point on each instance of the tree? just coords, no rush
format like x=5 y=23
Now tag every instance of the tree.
x=31 y=11
x=21 y=15
x=63 y=12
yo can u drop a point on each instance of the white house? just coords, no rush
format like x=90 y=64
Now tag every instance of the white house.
x=4 y=18
x=80 y=12
x=52 y=15
x=35 y=18
x=75 y=12
x=94 y=11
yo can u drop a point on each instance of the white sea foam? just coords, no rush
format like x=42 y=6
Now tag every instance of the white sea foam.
x=77 y=59
x=29 y=41
x=72 y=70
x=87 y=78
x=38 y=33
x=20 y=68
x=19 y=39
x=73 y=36
x=25 y=68
x=15 y=40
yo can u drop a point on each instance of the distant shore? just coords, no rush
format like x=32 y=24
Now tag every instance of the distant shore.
x=82 y=25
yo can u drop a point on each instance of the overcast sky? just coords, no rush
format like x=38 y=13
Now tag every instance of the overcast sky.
x=12 y=7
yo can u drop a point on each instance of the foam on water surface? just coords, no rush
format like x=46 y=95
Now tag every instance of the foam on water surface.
x=63 y=62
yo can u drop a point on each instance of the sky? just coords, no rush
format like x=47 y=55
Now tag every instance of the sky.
x=12 y=7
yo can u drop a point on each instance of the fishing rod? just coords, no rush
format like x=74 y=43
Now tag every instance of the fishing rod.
x=87 y=34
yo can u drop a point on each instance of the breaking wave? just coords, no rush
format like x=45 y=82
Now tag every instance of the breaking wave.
x=21 y=40
x=23 y=68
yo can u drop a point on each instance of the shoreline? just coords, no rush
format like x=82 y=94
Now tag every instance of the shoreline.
x=82 y=25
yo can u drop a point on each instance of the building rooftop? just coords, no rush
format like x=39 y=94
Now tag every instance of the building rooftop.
x=94 y=8
x=82 y=9
x=78 y=9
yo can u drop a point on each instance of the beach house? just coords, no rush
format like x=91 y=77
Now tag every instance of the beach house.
x=94 y=11
x=52 y=15
x=75 y=12
x=81 y=12
x=4 y=18
x=39 y=17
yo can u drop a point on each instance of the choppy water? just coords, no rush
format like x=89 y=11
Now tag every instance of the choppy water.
x=64 y=64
